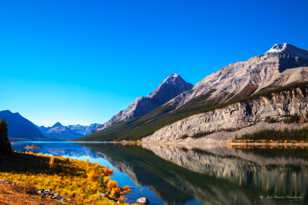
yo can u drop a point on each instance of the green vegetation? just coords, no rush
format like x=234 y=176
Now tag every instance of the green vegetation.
x=165 y=115
x=5 y=145
x=283 y=135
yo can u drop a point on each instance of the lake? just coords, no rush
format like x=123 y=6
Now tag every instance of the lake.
x=213 y=175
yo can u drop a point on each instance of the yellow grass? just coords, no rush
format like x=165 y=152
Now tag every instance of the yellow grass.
x=79 y=182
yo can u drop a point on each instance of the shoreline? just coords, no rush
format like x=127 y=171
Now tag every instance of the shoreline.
x=61 y=179
x=228 y=143
x=219 y=143
x=268 y=144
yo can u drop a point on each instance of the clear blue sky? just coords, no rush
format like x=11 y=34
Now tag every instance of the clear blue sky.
x=82 y=61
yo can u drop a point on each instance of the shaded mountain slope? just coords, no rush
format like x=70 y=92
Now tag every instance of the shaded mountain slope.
x=20 y=128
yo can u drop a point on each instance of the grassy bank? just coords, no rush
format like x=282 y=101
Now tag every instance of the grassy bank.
x=77 y=182
x=272 y=138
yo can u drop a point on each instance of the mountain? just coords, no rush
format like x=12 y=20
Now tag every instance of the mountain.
x=84 y=129
x=172 y=86
x=20 y=128
x=241 y=79
x=255 y=82
x=70 y=132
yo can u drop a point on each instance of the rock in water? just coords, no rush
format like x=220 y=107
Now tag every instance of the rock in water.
x=5 y=145
x=142 y=200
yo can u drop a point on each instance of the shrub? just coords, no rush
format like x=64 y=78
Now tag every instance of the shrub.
x=291 y=119
x=269 y=119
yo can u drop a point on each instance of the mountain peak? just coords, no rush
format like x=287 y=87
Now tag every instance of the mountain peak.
x=6 y=111
x=286 y=48
x=172 y=78
x=279 y=47
x=289 y=55
x=57 y=124
x=170 y=87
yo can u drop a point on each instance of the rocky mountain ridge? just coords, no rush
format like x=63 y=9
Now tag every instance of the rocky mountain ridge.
x=279 y=67
x=169 y=88
x=249 y=77
x=287 y=109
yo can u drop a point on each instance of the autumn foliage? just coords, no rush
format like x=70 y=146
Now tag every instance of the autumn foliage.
x=78 y=182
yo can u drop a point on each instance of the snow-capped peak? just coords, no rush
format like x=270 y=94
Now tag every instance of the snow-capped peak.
x=289 y=50
x=278 y=47
x=171 y=77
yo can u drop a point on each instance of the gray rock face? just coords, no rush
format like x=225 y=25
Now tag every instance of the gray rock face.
x=289 y=56
x=172 y=86
x=280 y=66
x=221 y=124
x=245 y=78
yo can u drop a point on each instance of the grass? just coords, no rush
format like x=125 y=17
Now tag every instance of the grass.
x=79 y=182
x=146 y=125
x=17 y=195
x=282 y=135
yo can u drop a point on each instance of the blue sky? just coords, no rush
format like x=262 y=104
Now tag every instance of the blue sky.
x=82 y=61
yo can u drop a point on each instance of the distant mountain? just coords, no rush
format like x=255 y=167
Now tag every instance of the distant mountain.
x=282 y=67
x=20 y=128
x=70 y=132
x=172 y=86
x=84 y=129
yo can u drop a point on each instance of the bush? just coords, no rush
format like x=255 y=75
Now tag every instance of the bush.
x=269 y=119
x=291 y=119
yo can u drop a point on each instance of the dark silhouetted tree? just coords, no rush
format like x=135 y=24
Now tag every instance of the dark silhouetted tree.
x=5 y=145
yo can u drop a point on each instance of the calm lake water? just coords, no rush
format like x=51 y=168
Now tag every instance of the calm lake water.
x=170 y=175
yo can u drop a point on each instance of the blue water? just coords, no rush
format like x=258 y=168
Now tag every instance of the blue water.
x=193 y=177
x=81 y=152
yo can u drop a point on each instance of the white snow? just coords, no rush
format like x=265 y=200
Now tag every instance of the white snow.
x=277 y=48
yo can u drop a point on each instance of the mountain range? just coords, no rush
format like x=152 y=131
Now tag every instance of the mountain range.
x=70 y=132
x=21 y=128
x=262 y=92
x=282 y=68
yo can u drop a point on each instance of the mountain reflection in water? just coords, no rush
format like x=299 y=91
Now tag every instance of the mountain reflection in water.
x=215 y=175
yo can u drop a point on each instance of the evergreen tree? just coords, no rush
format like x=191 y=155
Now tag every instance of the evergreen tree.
x=5 y=145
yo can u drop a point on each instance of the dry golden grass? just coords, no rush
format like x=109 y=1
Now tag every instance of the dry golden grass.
x=14 y=195
x=79 y=182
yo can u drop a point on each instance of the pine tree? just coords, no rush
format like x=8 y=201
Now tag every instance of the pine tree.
x=5 y=145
